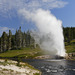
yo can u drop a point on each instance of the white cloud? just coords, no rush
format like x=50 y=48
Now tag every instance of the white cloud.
x=6 y=29
x=6 y=5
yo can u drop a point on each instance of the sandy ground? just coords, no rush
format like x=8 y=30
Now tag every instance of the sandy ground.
x=12 y=69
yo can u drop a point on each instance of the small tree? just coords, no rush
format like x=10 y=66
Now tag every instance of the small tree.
x=9 y=40
x=0 y=44
x=4 y=41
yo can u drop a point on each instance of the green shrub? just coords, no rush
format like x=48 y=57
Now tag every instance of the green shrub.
x=36 y=74
x=18 y=61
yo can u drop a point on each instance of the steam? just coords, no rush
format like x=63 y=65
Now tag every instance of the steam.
x=49 y=35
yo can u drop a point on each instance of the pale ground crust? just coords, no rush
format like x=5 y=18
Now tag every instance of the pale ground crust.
x=11 y=69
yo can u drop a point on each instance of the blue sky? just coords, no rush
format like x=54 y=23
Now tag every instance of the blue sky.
x=10 y=19
x=66 y=14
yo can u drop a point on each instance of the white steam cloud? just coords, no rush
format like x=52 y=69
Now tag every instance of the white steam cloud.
x=50 y=34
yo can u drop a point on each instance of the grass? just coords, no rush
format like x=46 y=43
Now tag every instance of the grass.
x=36 y=74
x=24 y=52
x=31 y=53
x=70 y=48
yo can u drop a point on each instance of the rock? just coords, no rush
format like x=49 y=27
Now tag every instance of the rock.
x=43 y=57
x=70 y=56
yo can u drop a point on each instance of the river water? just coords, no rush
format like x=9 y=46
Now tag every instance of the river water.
x=53 y=67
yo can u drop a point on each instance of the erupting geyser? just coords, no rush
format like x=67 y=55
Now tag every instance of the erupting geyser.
x=49 y=35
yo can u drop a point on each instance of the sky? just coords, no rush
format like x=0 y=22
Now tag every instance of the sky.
x=10 y=17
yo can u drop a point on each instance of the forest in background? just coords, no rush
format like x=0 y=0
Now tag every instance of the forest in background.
x=69 y=35
x=17 y=41
x=23 y=39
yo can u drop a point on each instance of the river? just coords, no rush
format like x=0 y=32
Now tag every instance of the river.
x=53 y=67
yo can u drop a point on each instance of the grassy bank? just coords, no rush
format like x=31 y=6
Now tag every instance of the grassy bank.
x=23 y=52
x=70 y=48
x=32 y=53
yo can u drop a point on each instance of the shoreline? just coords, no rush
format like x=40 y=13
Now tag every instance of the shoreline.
x=8 y=67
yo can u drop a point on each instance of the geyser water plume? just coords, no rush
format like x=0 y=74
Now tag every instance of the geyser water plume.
x=50 y=33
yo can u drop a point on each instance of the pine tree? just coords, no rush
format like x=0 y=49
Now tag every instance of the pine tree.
x=19 y=38
x=13 y=42
x=9 y=40
x=4 y=41
x=0 y=45
x=23 y=40
x=28 y=38
x=16 y=39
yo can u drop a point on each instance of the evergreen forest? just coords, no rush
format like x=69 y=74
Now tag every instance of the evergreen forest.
x=23 y=39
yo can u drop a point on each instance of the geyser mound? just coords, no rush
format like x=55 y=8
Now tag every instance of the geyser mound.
x=59 y=57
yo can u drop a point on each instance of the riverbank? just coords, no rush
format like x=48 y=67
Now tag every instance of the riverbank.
x=27 y=53
x=31 y=53
x=70 y=56
x=9 y=67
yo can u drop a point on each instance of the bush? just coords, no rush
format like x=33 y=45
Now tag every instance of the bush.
x=36 y=74
x=18 y=61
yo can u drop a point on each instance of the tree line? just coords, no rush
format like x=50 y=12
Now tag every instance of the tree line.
x=69 y=34
x=24 y=39
x=17 y=41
